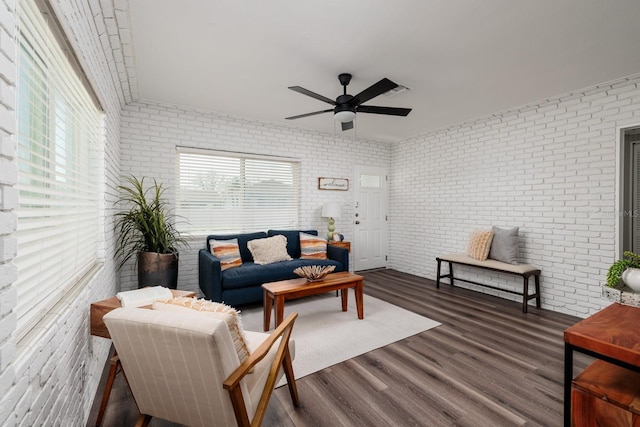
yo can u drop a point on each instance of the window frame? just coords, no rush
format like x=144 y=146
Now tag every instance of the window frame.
x=59 y=160
x=245 y=206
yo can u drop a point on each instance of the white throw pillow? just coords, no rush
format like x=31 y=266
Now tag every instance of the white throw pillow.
x=269 y=249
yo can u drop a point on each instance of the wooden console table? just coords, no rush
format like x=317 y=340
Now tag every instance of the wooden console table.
x=99 y=329
x=611 y=335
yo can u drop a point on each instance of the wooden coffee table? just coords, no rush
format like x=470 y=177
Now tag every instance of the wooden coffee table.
x=276 y=293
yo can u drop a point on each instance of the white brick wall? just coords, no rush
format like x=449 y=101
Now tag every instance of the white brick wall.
x=151 y=132
x=50 y=377
x=548 y=168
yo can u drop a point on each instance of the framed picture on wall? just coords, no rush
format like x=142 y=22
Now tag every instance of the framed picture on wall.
x=339 y=184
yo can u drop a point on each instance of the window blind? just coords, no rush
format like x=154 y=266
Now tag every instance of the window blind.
x=58 y=141
x=220 y=192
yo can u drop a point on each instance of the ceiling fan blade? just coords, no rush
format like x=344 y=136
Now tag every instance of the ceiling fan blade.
x=374 y=90
x=308 y=114
x=347 y=125
x=391 y=111
x=312 y=94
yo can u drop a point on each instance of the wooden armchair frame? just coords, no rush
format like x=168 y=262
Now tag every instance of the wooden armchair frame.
x=232 y=383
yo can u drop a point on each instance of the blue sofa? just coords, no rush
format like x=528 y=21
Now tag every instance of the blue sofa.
x=243 y=284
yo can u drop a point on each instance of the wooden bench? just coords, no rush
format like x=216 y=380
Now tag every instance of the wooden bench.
x=523 y=270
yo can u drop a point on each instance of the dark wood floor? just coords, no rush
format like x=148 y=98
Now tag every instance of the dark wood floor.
x=488 y=364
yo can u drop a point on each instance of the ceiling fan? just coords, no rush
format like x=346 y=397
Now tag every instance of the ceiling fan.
x=346 y=106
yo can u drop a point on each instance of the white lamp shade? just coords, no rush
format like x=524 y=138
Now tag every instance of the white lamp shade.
x=331 y=210
x=344 y=116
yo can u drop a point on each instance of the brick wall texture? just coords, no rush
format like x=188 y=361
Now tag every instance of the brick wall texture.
x=549 y=168
x=50 y=377
x=152 y=131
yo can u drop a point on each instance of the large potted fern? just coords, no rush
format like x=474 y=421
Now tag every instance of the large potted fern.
x=145 y=230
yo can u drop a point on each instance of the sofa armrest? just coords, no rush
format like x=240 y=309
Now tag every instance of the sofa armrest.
x=210 y=275
x=339 y=254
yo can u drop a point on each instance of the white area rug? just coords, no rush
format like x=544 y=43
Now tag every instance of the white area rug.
x=325 y=335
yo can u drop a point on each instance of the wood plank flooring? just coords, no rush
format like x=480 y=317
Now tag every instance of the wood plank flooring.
x=488 y=364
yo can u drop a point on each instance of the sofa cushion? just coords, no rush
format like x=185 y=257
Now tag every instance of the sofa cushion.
x=293 y=239
x=269 y=250
x=243 y=238
x=252 y=274
x=312 y=247
x=227 y=251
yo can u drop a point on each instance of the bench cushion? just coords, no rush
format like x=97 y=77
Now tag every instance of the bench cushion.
x=490 y=263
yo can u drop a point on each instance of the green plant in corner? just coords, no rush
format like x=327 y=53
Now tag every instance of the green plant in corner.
x=629 y=260
x=146 y=227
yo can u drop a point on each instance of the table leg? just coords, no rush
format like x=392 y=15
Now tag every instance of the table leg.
x=267 y=303
x=359 y=291
x=113 y=370
x=344 y=294
x=568 y=378
x=279 y=307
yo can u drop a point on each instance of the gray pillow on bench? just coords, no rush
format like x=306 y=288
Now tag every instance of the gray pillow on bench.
x=504 y=246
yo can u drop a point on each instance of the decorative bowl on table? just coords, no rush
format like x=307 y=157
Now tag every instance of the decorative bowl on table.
x=314 y=273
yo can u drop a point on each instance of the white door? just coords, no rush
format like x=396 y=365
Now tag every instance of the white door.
x=370 y=221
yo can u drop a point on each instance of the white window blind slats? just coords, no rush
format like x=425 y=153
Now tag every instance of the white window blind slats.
x=227 y=193
x=59 y=137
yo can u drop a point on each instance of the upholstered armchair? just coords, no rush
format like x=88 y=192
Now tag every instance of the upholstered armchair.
x=184 y=367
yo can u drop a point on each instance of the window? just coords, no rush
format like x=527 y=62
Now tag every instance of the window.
x=221 y=192
x=630 y=191
x=369 y=181
x=58 y=141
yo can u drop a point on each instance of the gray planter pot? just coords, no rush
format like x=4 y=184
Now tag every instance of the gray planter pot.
x=157 y=270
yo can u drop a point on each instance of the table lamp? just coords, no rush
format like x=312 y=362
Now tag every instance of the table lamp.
x=331 y=210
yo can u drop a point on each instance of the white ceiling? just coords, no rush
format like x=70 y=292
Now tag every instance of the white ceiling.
x=461 y=59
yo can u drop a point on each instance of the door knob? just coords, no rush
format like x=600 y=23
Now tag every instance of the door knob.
x=357 y=222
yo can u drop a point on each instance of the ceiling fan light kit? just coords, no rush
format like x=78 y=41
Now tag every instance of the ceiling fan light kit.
x=344 y=116
x=346 y=106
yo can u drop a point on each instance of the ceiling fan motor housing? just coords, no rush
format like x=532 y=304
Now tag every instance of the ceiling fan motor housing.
x=343 y=103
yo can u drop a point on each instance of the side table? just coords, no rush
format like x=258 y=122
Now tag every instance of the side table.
x=611 y=335
x=605 y=395
x=343 y=244
x=99 y=329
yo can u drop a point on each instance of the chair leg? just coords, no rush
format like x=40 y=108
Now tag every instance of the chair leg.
x=537 y=283
x=113 y=370
x=291 y=379
x=438 y=274
x=143 y=420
